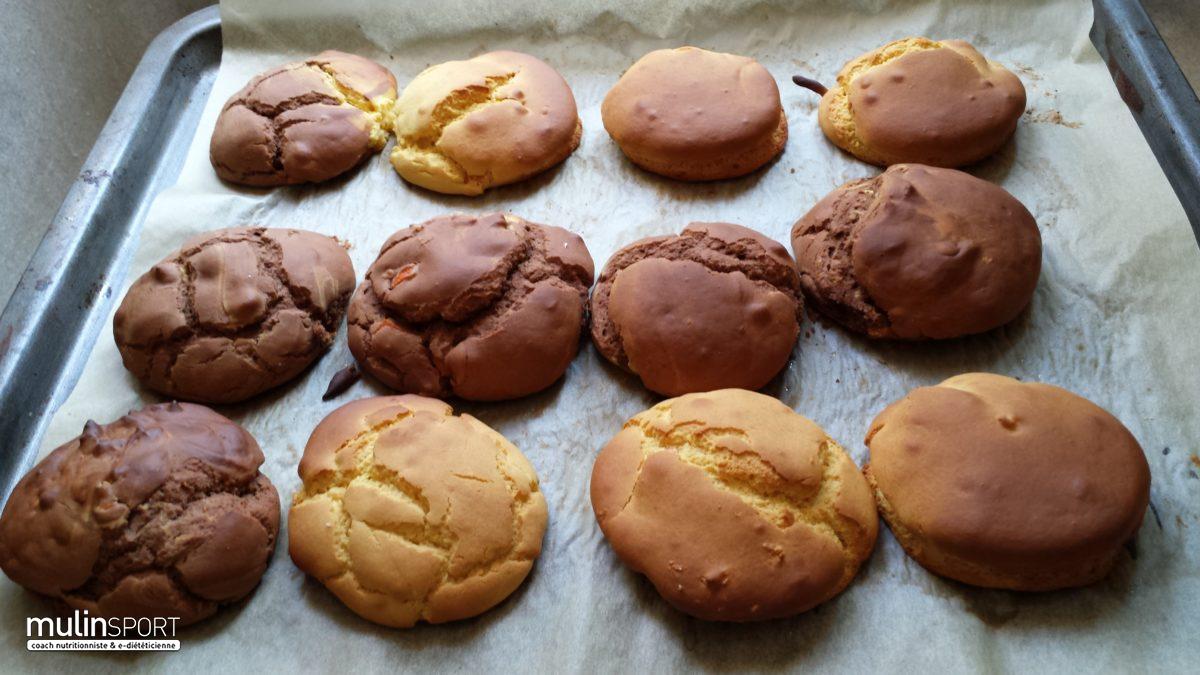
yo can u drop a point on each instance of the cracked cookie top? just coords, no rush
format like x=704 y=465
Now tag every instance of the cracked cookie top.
x=922 y=101
x=234 y=312
x=303 y=122
x=919 y=252
x=692 y=114
x=483 y=307
x=465 y=126
x=734 y=506
x=715 y=306
x=410 y=513
x=160 y=513
x=1007 y=484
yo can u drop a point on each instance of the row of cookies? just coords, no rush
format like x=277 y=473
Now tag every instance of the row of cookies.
x=462 y=127
x=733 y=505
x=492 y=307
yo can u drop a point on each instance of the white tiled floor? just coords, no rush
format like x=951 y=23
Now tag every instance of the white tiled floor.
x=66 y=62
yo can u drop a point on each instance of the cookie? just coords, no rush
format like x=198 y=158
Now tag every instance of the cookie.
x=233 y=313
x=465 y=126
x=410 y=513
x=303 y=122
x=922 y=101
x=483 y=307
x=714 y=307
x=918 y=252
x=734 y=506
x=1007 y=484
x=162 y=513
x=692 y=114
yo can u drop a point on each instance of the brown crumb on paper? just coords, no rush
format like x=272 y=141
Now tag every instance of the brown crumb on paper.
x=1052 y=117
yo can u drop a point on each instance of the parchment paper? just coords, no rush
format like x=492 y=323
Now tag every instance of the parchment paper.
x=1115 y=318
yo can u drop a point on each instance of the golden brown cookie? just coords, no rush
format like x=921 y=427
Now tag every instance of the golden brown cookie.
x=465 y=126
x=734 y=506
x=162 y=513
x=410 y=513
x=918 y=252
x=484 y=307
x=303 y=122
x=713 y=307
x=1006 y=484
x=922 y=101
x=692 y=114
x=234 y=312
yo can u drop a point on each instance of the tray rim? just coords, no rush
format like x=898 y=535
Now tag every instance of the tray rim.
x=1154 y=88
x=65 y=293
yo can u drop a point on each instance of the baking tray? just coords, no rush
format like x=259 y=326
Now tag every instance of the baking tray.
x=64 y=297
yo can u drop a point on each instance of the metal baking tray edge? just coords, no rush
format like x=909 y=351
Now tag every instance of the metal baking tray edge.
x=64 y=297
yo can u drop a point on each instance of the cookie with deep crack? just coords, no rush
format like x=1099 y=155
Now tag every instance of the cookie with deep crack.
x=1000 y=483
x=410 y=513
x=465 y=126
x=918 y=252
x=303 y=122
x=713 y=307
x=922 y=101
x=734 y=506
x=234 y=312
x=483 y=307
x=692 y=114
x=162 y=513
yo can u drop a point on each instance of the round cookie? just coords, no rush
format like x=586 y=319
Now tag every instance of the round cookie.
x=410 y=513
x=486 y=307
x=922 y=101
x=303 y=122
x=918 y=252
x=465 y=126
x=162 y=513
x=734 y=506
x=234 y=312
x=713 y=307
x=692 y=114
x=1006 y=484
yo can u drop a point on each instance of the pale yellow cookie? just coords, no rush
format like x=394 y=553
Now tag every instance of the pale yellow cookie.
x=465 y=126
x=734 y=506
x=410 y=513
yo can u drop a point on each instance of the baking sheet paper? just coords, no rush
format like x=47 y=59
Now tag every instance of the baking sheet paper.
x=1115 y=318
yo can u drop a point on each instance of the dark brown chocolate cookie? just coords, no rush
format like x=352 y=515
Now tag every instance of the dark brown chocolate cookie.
x=918 y=252
x=234 y=312
x=161 y=513
x=717 y=306
x=485 y=308
x=303 y=122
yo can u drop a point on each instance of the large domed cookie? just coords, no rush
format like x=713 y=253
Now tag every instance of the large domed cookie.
x=713 y=307
x=162 y=513
x=734 y=506
x=465 y=126
x=692 y=114
x=482 y=307
x=918 y=252
x=234 y=312
x=922 y=101
x=303 y=122
x=410 y=513
x=1007 y=484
